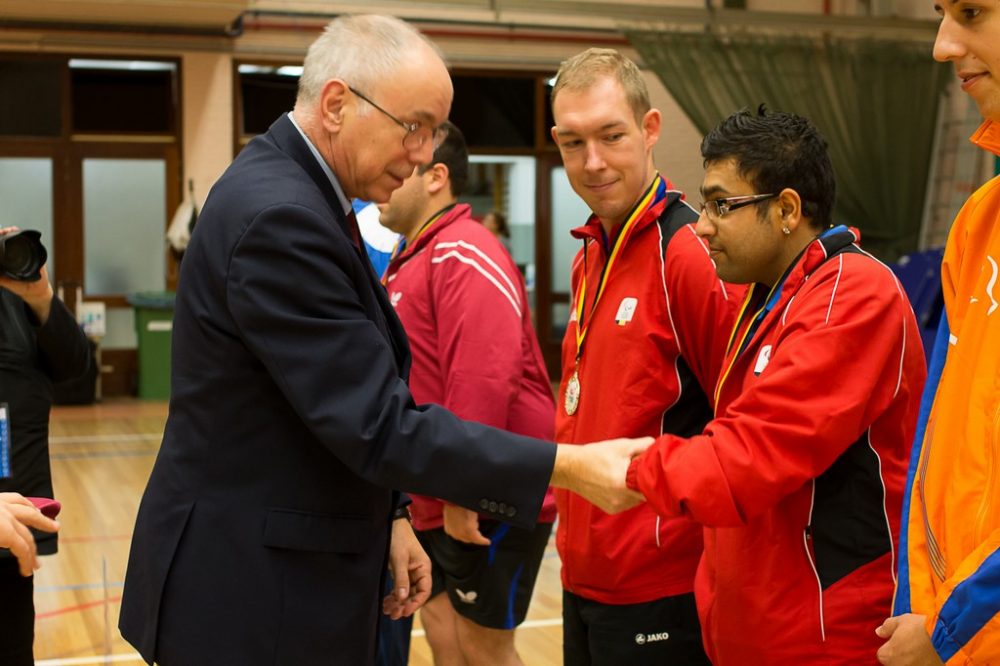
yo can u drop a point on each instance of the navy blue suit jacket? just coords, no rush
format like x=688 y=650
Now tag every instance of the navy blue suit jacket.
x=262 y=535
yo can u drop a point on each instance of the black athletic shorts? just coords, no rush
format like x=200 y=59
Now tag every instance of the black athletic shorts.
x=490 y=585
x=664 y=631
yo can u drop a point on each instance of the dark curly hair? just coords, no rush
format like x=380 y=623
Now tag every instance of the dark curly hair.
x=774 y=151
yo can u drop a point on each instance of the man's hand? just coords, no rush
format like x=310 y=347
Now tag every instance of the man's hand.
x=463 y=525
x=597 y=471
x=15 y=513
x=908 y=643
x=37 y=294
x=411 y=572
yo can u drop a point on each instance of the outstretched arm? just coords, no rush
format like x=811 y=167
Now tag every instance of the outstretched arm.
x=597 y=472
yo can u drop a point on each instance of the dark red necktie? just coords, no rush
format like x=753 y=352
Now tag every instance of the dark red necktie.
x=352 y=224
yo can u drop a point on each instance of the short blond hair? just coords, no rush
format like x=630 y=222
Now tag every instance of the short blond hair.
x=582 y=70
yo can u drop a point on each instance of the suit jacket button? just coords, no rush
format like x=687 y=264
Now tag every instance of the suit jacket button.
x=493 y=507
x=511 y=512
x=484 y=504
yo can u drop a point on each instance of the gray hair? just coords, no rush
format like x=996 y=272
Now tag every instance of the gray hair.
x=361 y=49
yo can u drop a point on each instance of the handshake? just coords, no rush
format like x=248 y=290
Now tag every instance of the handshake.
x=597 y=472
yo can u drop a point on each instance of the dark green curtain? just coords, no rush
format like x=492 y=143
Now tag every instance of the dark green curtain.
x=875 y=102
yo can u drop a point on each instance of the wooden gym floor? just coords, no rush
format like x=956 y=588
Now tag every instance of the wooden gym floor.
x=101 y=458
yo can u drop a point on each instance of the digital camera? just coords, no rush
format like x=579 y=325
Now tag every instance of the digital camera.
x=22 y=255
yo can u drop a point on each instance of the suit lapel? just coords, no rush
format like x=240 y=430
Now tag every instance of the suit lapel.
x=288 y=139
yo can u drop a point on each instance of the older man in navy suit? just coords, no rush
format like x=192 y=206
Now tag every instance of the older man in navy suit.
x=264 y=532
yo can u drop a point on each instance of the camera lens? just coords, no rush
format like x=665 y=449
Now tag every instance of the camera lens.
x=22 y=255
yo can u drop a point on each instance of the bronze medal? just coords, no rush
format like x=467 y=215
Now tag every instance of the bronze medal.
x=572 y=398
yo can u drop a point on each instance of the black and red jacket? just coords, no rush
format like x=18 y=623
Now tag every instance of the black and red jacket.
x=652 y=353
x=799 y=477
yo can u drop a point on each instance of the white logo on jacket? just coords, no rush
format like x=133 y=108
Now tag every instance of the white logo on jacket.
x=763 y=358
x=642 y=639
x=990 y=285
x=467 y=597
x=394 y=299
x=626 y=310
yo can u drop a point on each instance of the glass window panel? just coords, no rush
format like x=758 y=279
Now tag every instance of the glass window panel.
x=124 y=219
x=26 y=193
x=518 y=196
x=520 y=200
x=568 y=212
x=560 y=320
x=265 y=97
x=30 y=101
x=494 y=110
x=120 y=334
x=116 y=100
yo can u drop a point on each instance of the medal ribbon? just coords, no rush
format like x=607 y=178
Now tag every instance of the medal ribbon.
x=773 y=295
x=656 y=192
x=729 y=346
x=401 y=244
x=772 y=299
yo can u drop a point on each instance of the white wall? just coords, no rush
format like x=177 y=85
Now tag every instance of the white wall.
x=208 y=119
x=678 y=153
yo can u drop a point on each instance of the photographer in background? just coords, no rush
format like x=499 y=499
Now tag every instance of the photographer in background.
x=40 y=343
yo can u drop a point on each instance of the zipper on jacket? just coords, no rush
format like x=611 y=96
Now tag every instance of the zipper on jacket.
x=810 y=555
x=989 y=496
x=807 y=543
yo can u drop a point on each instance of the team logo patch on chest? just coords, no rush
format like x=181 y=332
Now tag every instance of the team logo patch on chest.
x=626 y=310
x=763 y=358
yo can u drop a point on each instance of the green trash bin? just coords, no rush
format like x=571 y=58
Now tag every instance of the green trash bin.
x=154 y=319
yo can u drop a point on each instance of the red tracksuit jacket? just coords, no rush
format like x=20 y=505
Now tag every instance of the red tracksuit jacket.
x=464 y=306
x=654 y=347
x=799 y=478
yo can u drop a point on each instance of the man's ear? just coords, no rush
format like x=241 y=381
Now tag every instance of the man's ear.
x=652 y=121
x=789 y=207
x=437 y=177
x=332 y=102
x=555 y=135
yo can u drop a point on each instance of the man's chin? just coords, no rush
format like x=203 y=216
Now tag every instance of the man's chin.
x=378 y=196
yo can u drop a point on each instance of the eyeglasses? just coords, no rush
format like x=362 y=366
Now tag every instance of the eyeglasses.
x=416 y=134
x=717 y=208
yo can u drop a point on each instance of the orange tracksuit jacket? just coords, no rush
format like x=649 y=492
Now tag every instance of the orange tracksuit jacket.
x=950 y=569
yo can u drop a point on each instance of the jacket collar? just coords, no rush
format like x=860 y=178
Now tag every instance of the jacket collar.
x=826 y=245
x=987 y=137
x=456 y=212
x=830 y=242
x=763 y=303
x=593 y=229
x=290 y=142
